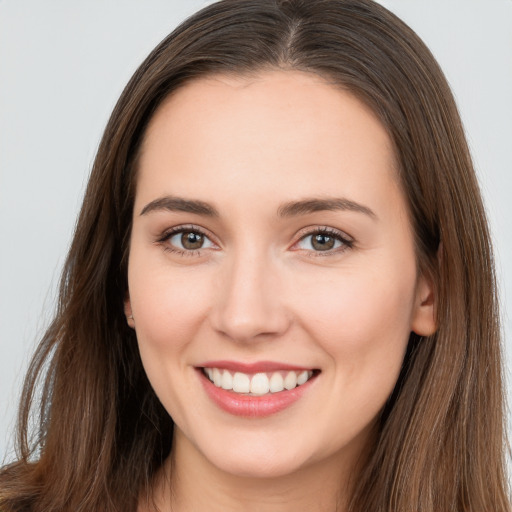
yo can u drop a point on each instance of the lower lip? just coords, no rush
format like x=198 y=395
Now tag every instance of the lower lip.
x=253 y=406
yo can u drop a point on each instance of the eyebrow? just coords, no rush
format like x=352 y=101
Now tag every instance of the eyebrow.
x=290 y=209
x=311 y=205
x=178 y=204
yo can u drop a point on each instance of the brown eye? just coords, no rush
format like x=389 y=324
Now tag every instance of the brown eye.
x=192 y=240
x=321 y=242
x=324 y=241
x=187 y=240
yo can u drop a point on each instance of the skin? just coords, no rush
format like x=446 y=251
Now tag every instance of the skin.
x=259 y=290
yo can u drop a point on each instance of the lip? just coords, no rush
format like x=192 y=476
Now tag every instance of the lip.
x=251 y=368
x=249 y=406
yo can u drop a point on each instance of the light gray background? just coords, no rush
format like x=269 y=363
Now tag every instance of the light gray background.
x=62 y=66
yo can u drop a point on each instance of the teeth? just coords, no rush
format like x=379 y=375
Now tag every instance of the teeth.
x=227 y=380
x=302 y=378
x=241 y=383
x=276 y=383
x=259 y=383
x=290 y=381
x=217 y=377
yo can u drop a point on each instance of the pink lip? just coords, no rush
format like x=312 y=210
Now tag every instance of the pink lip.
x=253 y=406
x=257 y=367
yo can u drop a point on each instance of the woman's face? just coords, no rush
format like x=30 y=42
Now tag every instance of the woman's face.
x=272 y=253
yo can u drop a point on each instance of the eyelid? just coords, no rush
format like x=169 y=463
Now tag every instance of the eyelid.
x=167 y=234
x=346 y=240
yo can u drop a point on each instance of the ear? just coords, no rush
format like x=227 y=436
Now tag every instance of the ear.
x=424 y=318
x=128 y=311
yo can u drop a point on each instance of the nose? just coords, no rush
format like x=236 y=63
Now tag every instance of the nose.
x=250 y=303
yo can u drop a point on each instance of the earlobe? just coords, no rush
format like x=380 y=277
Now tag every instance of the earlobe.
x=128 y=311
x=424 y=318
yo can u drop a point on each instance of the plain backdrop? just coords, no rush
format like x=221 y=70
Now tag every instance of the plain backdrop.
x=62 y=66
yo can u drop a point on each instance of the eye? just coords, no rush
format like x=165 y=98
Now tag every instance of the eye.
x=186 y=240
x=190 y=240
x=324 y=240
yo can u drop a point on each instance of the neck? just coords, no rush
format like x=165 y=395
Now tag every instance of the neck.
x=189 y=482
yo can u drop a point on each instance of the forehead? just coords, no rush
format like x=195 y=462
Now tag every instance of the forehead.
x=285 y=131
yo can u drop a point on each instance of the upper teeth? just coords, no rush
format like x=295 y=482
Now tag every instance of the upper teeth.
x=259 y=383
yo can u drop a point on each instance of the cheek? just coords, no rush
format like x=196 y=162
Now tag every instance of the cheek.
x=168 y=309
x=363 y=322
x=362 y=302
x=166 y=305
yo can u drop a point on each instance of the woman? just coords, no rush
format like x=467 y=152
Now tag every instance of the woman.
x=280 y=291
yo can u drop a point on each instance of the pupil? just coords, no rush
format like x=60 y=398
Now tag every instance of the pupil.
x=323 y=242
x=192 y=240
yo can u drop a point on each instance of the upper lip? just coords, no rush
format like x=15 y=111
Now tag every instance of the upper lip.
x=255 y=367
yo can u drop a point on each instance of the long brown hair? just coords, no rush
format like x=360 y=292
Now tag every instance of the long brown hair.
x=102 y=433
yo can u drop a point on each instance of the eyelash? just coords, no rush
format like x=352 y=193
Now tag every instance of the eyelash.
x=323 y=230
x=167 y=235
x=346 y=243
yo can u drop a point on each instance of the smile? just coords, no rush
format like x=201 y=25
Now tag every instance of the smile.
x=257 y=384
x=255 y=390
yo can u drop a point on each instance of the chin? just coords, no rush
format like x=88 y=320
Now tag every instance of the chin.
x=272 y=467
x=262 y=461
